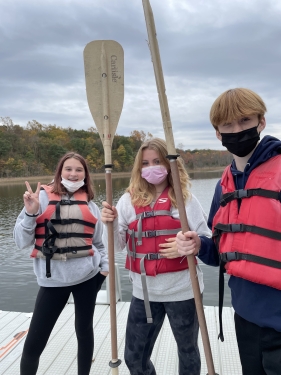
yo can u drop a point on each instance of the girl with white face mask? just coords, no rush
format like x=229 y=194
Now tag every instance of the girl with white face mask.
x=68 y=255
x=146 y=221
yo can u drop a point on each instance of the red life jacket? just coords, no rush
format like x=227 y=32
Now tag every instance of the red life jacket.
x=65 y=229
x=151 y=227
x=249 y=239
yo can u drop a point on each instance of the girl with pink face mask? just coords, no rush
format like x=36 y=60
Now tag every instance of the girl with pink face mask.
x=146 y=221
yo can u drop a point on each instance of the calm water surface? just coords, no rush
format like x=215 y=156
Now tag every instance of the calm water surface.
x=18 y=284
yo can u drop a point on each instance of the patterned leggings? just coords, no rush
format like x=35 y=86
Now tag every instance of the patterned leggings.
x=141 y=336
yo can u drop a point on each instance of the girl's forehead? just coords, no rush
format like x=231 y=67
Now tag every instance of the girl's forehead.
x=74 y=163
x=150 y=154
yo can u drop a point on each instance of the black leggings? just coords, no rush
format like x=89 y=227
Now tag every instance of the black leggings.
x=49 y=304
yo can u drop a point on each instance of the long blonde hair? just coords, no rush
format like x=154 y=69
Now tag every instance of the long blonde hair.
x=142 y=192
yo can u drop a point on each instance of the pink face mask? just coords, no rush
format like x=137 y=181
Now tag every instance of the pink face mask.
x=154 y=174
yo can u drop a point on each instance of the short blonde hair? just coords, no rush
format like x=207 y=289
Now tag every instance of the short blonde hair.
x=236 y=103
x=142 y=192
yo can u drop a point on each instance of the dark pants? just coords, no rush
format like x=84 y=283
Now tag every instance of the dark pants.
x=259 y=348
x=49 y=304
x=141 y=336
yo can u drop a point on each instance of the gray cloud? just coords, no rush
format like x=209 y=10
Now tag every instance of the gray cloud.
x=206 y=48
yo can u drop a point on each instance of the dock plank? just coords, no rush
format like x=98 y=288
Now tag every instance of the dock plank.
x=211 y=321
x=67 y=313
x=18 y=324
x=59 y=356
x=2 y=314
x=228 y=348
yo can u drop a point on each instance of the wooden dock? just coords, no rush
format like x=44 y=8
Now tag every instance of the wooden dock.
x=59 y=357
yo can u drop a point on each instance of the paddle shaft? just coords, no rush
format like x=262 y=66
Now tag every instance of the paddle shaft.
x=159 y=77
x=108 y=182
x=192 y=271
x=104 y=76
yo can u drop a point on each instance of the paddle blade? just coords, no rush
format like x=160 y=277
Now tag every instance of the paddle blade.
x=104 y=73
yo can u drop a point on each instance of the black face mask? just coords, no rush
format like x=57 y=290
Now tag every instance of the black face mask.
x=241 y=143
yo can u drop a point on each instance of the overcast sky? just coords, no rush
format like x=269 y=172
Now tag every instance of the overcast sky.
x=206 y=48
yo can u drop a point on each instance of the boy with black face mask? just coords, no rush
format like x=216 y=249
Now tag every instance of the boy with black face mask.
x=245 y=218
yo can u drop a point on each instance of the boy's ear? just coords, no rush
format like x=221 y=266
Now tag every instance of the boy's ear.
x=218 y=134
x=262 y=123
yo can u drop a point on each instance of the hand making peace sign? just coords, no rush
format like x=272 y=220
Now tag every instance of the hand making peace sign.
x=31 y=200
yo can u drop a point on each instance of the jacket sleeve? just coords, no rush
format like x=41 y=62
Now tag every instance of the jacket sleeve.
x=24 y=230
x=208 y=252
x=98 y=244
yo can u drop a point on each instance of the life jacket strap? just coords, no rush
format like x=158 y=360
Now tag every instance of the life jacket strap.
x=68 y=221
x=153 y=233
x=65 y=235
x=236 y=256
x=65 y=202
x=145 y=215
x=221 y=296
x=247 y=193
x=148 y=256
x=232 y=256
x=49 y=251
x=139 y=234
x=70 y=202
x=142 y=257
x=61 y=250
x=72 y=221
x=60 y=235
x=48 y=265
x=235 y=228
x=145 y=292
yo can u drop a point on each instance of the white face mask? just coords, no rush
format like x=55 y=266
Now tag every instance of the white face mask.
x=72 y=186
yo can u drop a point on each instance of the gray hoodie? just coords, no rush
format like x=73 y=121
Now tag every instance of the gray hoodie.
x=64 y=273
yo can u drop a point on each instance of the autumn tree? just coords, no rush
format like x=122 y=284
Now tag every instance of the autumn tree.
x=35 y=149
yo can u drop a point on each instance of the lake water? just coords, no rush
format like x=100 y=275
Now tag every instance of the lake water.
x=18 y=284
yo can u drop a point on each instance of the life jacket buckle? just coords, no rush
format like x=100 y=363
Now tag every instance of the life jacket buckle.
x=49 y=250
x=148 y=214
x=228 y=257
x=241 y=193
x=63 y=235
x=236 y=228
x=65 y=221
x=63 y=250
x=65 y=202
x=150 y=233
x=152 y=256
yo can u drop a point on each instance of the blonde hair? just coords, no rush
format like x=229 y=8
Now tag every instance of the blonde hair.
x=236 y=103
x=142 y=192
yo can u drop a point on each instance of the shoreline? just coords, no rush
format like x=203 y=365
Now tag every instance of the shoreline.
x=48 y=178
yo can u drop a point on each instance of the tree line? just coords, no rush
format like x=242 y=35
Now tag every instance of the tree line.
x=34 y=150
